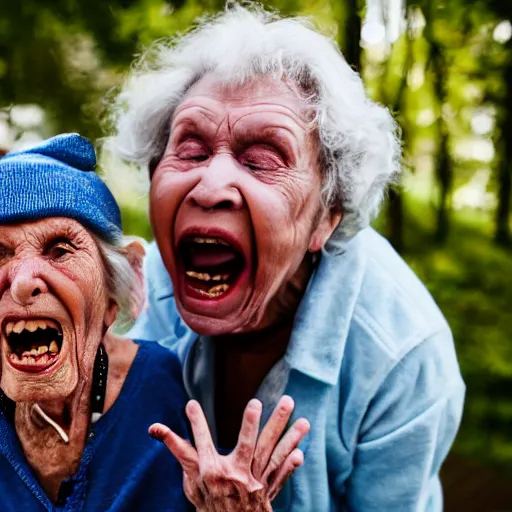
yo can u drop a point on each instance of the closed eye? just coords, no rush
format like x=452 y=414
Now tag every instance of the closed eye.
x=260 y=157
x=198 y=158
x=193 y=149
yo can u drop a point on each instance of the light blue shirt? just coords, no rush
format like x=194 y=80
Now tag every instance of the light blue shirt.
x=371 y=364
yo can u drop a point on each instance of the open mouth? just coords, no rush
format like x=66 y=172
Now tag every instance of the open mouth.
x=33 y=345
x=212 y=266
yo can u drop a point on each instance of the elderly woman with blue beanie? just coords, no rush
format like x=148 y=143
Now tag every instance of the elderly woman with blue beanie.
x=77 y=400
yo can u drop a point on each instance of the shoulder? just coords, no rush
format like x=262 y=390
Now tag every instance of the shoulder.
x=161 y=375
x=158 y=282
x=398 y=343
x=162 y=361
x=395 y=326
x=393 y=309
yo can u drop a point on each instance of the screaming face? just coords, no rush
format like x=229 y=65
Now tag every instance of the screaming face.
x=53 y=305
x=236 y=203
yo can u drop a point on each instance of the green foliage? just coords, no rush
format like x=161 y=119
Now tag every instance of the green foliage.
x=65 y=55
x=135 y=222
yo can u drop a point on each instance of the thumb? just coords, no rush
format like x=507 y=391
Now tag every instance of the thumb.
x=179 y=447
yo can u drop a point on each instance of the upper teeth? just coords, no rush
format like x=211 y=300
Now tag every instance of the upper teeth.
x=200 y=240
x=204 y=276
x=29 y=325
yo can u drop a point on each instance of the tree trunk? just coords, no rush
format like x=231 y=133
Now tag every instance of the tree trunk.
x=443 y=162
x=395 y=203
x=444 y=178
x=502 y=234
x=396 y=219
x=353 y=35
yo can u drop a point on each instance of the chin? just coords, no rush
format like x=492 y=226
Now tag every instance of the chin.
x=33 y=388
x=206 y=325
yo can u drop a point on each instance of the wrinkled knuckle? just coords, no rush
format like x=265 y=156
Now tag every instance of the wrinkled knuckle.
x=244 y=452
x=283 y=411
x=275 y=461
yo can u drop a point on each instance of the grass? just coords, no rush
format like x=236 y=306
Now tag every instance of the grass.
x=471 y=279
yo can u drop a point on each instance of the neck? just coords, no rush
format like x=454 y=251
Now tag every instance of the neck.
x=241 y=363
x=51 y=458
x=283 y=306
x=243 y=360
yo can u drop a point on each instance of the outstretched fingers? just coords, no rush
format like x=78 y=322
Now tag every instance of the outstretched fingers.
x=291 y=463
x=286 y=446
x=270 y=435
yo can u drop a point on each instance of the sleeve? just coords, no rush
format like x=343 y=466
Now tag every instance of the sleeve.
x=160 y=320
x=148 y=325
x=408 y=431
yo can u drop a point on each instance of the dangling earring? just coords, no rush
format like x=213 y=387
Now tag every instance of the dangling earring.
x=99 y=383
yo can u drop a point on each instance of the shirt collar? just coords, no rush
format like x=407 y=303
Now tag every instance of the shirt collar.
x=324 y=315
x=323 y=319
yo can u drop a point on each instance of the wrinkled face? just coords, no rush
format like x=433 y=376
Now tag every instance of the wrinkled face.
x=235 y=201
x=53 y=303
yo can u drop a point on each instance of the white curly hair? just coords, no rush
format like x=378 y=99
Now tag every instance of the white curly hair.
x=360 y=146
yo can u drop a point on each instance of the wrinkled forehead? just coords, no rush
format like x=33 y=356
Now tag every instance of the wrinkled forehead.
x=265 y=91
x=43 y=229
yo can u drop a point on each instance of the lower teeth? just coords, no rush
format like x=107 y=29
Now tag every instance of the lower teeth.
x=31 y=360
x=36 y=355
x=214 y=291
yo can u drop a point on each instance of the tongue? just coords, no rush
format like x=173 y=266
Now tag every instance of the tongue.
x=210 y=255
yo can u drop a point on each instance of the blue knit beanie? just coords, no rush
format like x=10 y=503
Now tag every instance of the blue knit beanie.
x=57 y=179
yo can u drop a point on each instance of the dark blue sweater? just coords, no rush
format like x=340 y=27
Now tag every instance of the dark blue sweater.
x=122 y=467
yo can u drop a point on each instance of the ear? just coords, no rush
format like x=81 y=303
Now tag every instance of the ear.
x=324 y=229
x=135 y=253
x=110 y=314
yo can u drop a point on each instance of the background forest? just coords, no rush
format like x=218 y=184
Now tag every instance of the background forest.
x=444 y=67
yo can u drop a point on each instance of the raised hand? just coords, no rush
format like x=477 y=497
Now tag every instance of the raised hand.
x=250 y=477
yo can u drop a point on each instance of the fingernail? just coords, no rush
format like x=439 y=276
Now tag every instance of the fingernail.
x=191 y=407
x=255 y=404
x=305 y=423
x=287 y=401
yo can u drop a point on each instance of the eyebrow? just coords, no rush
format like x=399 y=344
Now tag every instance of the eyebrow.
x=53 y=240
x=62 y=232
x=192 y=115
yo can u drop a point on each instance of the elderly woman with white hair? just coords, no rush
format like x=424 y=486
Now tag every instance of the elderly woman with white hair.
x=267 y=162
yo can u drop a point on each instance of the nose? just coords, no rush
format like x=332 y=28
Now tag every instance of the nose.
x=218 y=188
x=26 y=284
